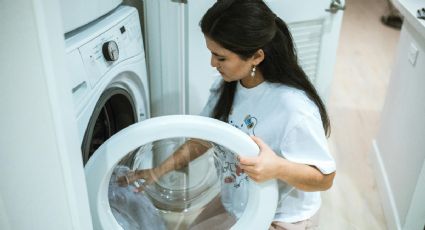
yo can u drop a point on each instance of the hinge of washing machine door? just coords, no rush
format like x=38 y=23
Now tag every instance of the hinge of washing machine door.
x=180 y=1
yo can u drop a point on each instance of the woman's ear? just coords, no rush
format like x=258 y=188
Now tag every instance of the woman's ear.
x=258 y=57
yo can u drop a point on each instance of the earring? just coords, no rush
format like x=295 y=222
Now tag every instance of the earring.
x=253 y=72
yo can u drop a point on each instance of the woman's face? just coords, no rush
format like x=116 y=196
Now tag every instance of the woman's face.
x=229 y=64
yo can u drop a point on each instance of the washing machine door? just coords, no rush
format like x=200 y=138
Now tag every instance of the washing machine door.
x=185 y=192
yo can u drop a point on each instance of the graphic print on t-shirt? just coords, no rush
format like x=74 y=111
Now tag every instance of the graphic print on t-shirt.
x=234 y=186
x=231 y=172
x=247 y=125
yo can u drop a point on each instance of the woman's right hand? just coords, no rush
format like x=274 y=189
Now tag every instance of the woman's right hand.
x=144 y=177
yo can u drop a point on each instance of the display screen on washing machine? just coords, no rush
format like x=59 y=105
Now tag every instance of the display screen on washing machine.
x=184 y=183
x=122 y=29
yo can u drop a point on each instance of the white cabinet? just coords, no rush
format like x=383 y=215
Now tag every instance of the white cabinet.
x=399 y=148
x=42 y=178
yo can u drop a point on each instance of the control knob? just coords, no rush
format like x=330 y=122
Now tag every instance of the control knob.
x=110 y=51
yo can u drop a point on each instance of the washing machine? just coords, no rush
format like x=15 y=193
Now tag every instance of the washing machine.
x=110 y=95
x=106 y=62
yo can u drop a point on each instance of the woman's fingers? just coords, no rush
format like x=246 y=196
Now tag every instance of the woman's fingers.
x=253 y=173
x=248 y=169
x=254 y=160
x=262 y=167
x=247 y=160
x=138 y=189
x=259 y=142
x=141 y=176
x=130 y=177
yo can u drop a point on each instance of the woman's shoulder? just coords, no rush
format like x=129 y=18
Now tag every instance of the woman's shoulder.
x=216 y=85
x=293 y=100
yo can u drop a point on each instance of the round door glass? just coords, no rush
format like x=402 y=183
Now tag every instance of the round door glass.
x=181 y=183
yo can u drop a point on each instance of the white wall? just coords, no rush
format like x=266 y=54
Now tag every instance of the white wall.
x=200 y=74
x=42 y=179
x=400 y=143
x=164 y=27
x=180 y=74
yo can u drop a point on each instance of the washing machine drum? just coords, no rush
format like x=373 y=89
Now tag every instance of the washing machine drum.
x=200 y=191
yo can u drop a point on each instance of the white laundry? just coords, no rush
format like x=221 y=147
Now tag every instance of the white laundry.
x=133 y=211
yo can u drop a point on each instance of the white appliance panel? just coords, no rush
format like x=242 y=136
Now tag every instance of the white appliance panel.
x=76 y=13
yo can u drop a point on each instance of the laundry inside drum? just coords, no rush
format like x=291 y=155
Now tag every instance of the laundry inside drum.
x=201 y=189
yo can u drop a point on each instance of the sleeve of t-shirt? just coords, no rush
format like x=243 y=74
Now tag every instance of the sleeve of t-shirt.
x=208 y=109
x=306 y=144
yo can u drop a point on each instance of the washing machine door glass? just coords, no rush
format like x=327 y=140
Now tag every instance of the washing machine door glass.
x=177 y=172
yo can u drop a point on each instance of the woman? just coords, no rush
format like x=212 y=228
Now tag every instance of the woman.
x=265 y=93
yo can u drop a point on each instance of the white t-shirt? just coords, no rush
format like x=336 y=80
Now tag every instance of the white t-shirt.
x=290 y=123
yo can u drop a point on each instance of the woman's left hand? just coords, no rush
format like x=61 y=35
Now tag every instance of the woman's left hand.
x=263 y=167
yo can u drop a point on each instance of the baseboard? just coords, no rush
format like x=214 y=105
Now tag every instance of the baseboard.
x=386 y=194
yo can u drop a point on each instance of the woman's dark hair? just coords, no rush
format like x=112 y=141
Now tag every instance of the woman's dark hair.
x=244 y=27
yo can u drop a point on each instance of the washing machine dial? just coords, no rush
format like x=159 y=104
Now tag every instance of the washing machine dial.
x=110 y=51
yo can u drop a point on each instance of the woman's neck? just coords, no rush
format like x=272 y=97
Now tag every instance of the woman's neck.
x=251 y=82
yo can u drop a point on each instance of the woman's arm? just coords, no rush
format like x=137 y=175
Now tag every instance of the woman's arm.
x=187 y=152
x=304 y=177
x=268 y=165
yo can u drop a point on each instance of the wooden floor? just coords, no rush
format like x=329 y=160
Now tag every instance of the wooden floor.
x=364 y=59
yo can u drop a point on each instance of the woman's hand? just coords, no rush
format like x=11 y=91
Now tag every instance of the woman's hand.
x=267 y=165
x=187 y=152
x=263 y=167
x=147 y=175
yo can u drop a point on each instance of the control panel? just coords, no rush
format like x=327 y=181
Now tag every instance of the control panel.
x=122 y=41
